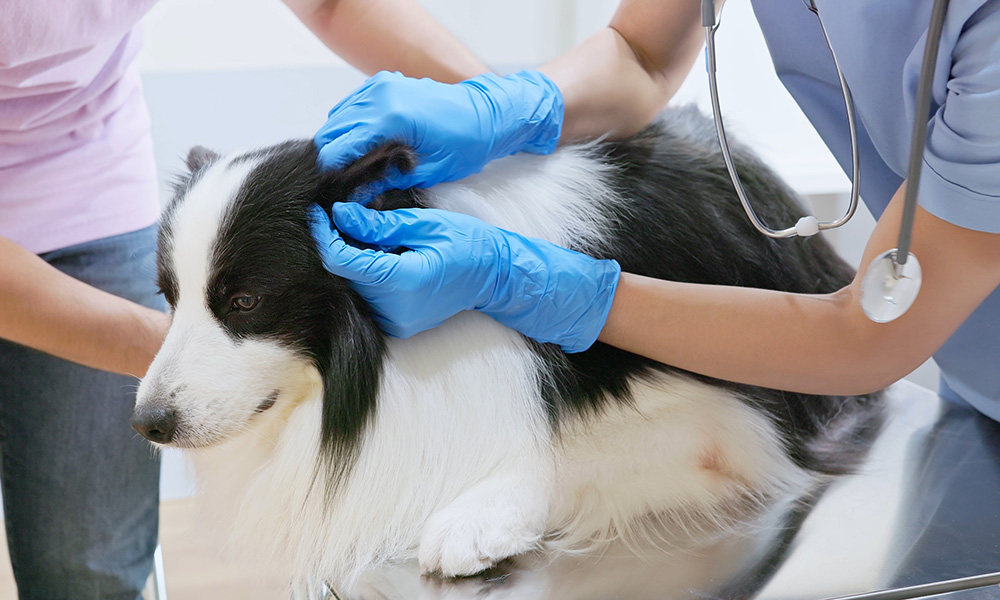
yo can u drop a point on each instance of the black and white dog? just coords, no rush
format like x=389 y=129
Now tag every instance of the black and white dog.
x=327 y=448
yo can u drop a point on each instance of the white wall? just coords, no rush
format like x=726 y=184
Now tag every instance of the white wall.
x=214 y=35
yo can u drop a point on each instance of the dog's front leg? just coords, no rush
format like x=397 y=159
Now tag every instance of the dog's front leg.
x=502 y=516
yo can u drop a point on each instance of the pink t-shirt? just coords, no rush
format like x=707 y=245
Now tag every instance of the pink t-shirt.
x=76 y=159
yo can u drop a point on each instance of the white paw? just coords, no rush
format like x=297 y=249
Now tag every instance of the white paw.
x=456 y=544
x=480 y=529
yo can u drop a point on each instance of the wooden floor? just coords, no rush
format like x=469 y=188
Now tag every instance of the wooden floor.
x=193 y=570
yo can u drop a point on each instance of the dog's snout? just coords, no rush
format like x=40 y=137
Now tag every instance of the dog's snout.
x=155 y=423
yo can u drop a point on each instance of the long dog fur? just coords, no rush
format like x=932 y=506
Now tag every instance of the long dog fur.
x=327 y=448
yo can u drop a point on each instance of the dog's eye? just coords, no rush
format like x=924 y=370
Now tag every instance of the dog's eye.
x=245 y=303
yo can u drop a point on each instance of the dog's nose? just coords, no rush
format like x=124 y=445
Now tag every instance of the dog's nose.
x=155 y=423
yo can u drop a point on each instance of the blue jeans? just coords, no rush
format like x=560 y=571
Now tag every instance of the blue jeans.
x=80 y=488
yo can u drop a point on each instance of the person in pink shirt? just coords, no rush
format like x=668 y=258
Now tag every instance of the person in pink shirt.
x=79 y=312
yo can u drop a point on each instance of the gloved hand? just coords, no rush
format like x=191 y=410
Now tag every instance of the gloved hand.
x=455 y=262
x=455 y=128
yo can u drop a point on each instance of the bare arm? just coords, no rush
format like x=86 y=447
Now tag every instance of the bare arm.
x=43 y=308
x=388 y=35
x=617 y=80
x=820 y=344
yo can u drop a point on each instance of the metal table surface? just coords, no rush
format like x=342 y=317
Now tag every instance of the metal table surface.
x=924 y=508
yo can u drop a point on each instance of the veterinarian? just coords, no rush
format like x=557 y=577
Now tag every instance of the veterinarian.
x=79 y=311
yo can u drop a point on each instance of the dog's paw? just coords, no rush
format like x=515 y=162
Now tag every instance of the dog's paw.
x=456 y=544
x=480 y=529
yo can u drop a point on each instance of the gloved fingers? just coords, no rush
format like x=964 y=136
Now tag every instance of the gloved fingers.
x=392 y=180
x=389 y=326
x=343 y=260
x=364 y=194
x=362 y=109
x=360 y=91
x=402 y=227
x=426 y=174
x=396 y=329
x=347 y=116
x=351 y=98
x=332 y=130
x=341 y=150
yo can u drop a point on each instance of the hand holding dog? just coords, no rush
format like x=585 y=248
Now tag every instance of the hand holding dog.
x=455 y=262
x=455 y=129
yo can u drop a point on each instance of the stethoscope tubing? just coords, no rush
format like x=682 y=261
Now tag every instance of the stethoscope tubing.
x=891 y=284
x=711 y=24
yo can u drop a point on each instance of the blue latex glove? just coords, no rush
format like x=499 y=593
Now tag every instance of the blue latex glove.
x=455 y=263
x=455 y=128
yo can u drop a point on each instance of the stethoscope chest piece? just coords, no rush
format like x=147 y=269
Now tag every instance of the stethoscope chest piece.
x=888 y=289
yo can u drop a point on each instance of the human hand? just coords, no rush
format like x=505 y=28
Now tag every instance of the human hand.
x=454 y=128
x=455 y=262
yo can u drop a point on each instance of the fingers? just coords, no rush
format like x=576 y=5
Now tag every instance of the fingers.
x=340 y=147
x=394 y=180
x=364 y=194
x=403 y=227
x=343 y=260
x=360 y=91
x=348 y=133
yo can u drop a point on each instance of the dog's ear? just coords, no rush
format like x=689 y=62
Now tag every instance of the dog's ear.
x=197 y=159
x=387 y=159
x=200 y=157
x=382 y=161
x=351 y=371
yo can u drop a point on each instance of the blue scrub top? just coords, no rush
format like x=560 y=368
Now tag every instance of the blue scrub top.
x=880 y=44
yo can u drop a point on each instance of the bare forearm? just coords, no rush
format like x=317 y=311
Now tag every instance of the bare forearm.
x=617 y=80
x=389 y=35
x=821 y=344
x=42 y=308
x=803 y=343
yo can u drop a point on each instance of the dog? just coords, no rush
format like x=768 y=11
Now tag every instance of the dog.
x=327 y=448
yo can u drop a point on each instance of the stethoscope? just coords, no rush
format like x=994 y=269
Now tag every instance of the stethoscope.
x=892 y=281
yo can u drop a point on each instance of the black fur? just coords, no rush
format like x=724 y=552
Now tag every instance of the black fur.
x=680 y=220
